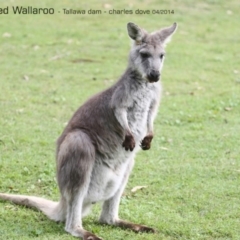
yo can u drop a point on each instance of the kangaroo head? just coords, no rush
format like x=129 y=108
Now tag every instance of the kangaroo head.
x=147 y=53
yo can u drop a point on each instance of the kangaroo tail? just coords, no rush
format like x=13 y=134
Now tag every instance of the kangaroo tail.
x=53 y=210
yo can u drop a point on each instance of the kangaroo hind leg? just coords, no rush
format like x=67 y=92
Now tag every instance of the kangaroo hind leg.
x=75 y=160
x=109 y=214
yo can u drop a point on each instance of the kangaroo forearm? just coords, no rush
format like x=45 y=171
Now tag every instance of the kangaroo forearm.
x=128 y=142
x=151 y=116
x=121 y=116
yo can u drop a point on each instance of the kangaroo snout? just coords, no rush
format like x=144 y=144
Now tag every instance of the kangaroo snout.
x=153 y=76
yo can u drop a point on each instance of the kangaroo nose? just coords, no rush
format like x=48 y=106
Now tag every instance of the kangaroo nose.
x=154 y=76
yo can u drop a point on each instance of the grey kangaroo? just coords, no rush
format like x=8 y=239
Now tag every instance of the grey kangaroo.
x=95 y=153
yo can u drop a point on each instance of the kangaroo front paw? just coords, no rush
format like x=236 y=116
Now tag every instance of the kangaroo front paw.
x=146 y=142
x=129 y=143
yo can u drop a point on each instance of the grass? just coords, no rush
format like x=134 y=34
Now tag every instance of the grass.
x=50 y=64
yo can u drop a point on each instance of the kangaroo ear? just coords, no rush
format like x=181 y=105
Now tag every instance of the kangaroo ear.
x=166 y=33
x=134 y=32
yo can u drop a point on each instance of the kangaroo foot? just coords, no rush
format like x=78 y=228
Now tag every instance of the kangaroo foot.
x=134 y=227
x=90 y=236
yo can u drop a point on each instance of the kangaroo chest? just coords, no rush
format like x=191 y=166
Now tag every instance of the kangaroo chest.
x=137 y=112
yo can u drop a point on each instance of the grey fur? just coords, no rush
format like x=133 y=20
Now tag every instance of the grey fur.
x=95 y=153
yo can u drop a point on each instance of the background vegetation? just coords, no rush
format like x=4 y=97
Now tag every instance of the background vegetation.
x=50 y=64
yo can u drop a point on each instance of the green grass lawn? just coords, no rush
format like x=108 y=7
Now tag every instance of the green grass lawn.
x=50 y=64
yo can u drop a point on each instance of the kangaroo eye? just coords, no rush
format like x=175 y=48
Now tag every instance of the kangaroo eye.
x=161 y=56
x=145 y=55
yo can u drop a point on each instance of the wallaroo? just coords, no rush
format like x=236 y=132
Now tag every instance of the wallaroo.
x=95 y=153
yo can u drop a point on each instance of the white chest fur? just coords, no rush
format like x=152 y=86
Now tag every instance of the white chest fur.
x=138 y=108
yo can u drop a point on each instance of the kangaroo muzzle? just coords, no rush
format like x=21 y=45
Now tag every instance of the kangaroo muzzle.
x=153 y=76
